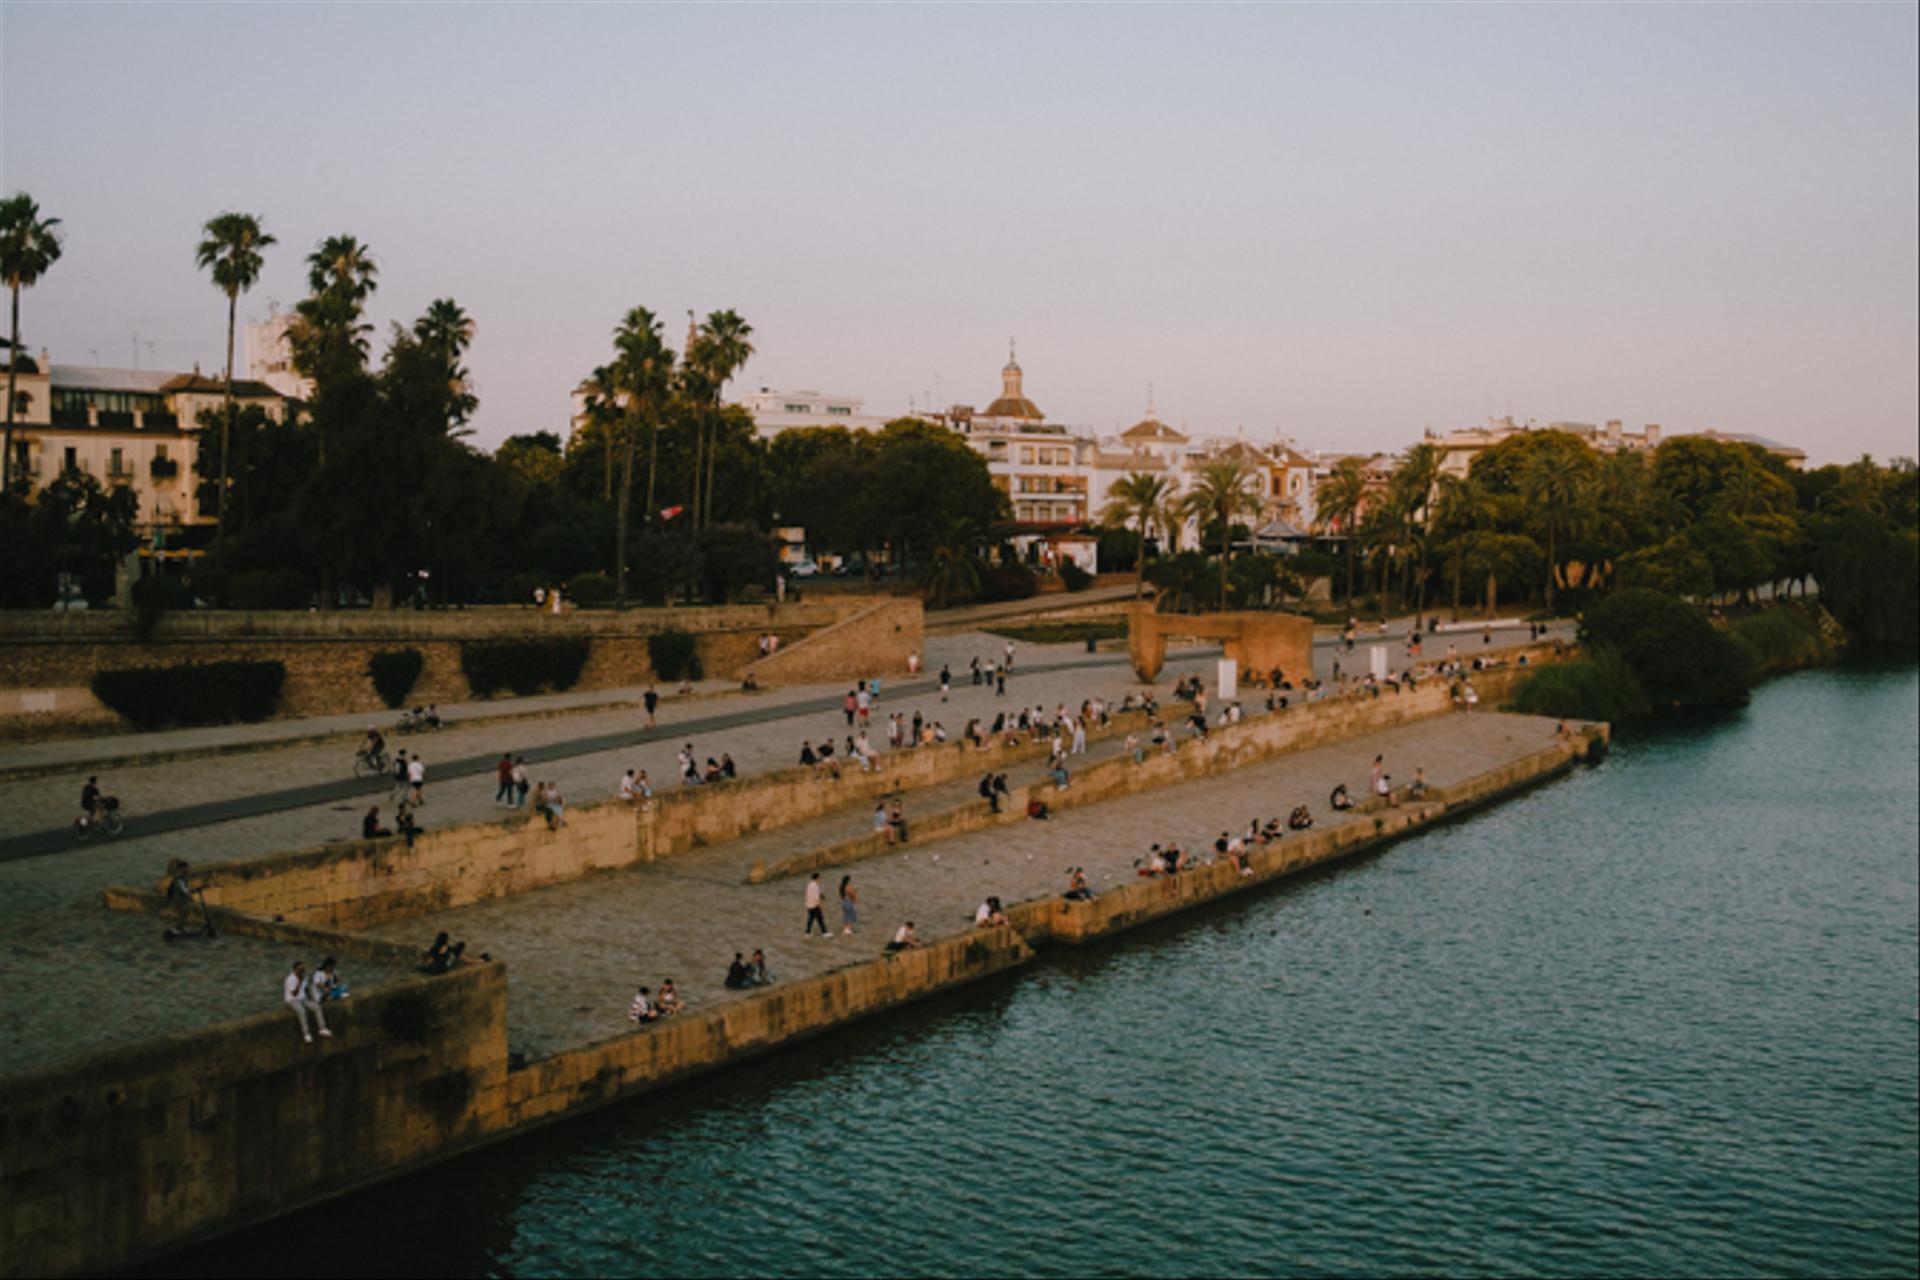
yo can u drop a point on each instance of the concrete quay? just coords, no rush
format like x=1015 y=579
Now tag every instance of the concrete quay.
x=122 y=1154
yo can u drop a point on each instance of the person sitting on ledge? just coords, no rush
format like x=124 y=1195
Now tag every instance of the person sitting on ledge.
x=668 y=998
x=1037 y=809
x=989 y=914
x=904 y=938
x=897 y=820
x=1150 y=865
x=757 y=975
x=642 y=1010
x=405 y=823
x=1418 y=787
x=1077 y=890
x=728 y=771
x=1300 y=819
x=437 y=955
x=370 y=828
x=748 y=684
x=1339 y=799
x=739 y=977
x=987 y=792
x=1061 y=778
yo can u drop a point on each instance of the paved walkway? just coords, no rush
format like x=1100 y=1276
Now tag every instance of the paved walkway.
x=575 y=952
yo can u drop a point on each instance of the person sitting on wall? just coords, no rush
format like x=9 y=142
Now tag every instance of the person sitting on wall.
x=989 y=914
x=437 y=954
x=642 y=1010
x=668 y=998
x=728 y=770
x=1418 y=788
x=987 y=792
x=904 y=938
x=1150 y=865
x=757 y=975
x=748 y=684
x=405 y=824
x=1037 y=809
x=1300 y=819
x=1339 y=799
x=370 y=828
x=739 y=977
x=1077 y=889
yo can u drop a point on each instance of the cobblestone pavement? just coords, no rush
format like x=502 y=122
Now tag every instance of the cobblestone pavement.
x=576 y=952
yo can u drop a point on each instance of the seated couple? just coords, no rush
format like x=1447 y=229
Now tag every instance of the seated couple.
x=742 y=974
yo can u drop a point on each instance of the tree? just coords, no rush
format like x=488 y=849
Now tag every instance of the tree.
x=444 y=333
x=950 y=567
x=1220 y=493
x=718 y=351
x=1411 y=492
x=1339 y=501
x=1554 y=480
x=1143 y=500
x=29 y=245
x=643 y=375
x=230 y=248
x=72 y=526
x=328 y=336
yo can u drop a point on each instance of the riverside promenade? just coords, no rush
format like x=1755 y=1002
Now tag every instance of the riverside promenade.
x=537 y=1029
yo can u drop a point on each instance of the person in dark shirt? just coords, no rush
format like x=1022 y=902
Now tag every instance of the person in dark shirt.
x=370 y=828
x=738 y=975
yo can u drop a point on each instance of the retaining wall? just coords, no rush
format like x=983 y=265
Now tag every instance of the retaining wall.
x=48 y=660
x=110 y=1160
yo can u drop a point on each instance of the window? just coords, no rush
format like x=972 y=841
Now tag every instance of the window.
x=840 y=410
x=73 y=459
x=160 y=452
x=799 y=408
x=1026 y=455
x=117 y=463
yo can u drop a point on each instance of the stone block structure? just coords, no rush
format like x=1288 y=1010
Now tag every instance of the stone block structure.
x=1258 y=642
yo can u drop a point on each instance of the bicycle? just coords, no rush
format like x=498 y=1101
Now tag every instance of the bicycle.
x=107 y=818
x=370 y=764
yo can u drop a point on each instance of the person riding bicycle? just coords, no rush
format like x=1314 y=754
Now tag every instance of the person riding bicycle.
x=90 y=801
x=375 y=747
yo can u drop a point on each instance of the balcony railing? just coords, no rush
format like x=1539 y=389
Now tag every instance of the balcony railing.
x=163 y=468
x=115 y=418
x=159 y=420
x=69 y=417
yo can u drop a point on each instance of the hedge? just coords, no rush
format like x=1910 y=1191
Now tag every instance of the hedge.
x=192 y=694
x=522 y=666
x=394 y=672
x=674 y=656
x=590 y=590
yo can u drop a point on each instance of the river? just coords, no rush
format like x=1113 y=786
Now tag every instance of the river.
x=1659 y=1017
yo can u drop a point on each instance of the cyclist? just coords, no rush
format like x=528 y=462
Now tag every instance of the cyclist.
x=375 y=747
x=90 y=802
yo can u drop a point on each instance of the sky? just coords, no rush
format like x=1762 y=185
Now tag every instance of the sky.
x=1343 y=224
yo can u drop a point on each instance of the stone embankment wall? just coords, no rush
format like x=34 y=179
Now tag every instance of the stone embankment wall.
x=354 y=884
x=875 y=641
x=105 y=1162
x=48 y=660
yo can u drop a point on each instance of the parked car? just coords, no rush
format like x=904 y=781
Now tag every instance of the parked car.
x=803 y=569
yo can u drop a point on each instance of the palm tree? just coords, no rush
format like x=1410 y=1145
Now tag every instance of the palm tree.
x=342 y=265
x=1142 y=499
x=328 y=336
x=29 y=244
x=643 y=372
x=1551 y=483
x=1411 y=492
x=1219 y=493
x=1339 y=501
x=230 y=248
x=603 y=415
x=1462 y=510
x=721 y=347
x=447 y=330
x=950 y=568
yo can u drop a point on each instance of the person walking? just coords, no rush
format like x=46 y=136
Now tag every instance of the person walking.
x=520 y=782
x=1000 y=683
x=401 y=778
x=416 y=781
x=651 y=700
x=503 y=775
x=298 y=996
x=814 y=913
x=849 y=906
x=946 y=681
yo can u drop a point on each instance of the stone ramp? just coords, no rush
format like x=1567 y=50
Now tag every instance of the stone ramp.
x=875 y=641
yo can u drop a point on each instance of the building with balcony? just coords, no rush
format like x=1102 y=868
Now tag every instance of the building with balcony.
x=127 y=428
x=776 y=411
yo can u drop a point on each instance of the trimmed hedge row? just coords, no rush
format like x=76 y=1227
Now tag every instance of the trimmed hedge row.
x=394 y=672
x=674 y=655
x=192 y=694
x=522 y=666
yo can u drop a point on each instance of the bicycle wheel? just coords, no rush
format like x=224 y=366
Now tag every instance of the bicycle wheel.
x=364 y=768
x=114 y=823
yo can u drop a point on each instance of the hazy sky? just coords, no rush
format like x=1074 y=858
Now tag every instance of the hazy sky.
x=1339 y=223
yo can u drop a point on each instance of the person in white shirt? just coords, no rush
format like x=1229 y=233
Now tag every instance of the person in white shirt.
x=416 y=781
x=298 y=996
x=628 y=791
x=814 y=914
x=904 y=938
x=642 y=1010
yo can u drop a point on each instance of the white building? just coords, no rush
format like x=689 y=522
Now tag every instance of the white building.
x=270 y=357
x=776 y=411
x=1043 y=468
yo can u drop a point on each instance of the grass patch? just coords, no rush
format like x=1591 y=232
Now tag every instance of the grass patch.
x=1062 y=632
x=1602 y=687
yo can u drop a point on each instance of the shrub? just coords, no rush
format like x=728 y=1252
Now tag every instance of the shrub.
x=269 y=589
x=674 y=656
x=588 y=590
x=393 y=672
x=1076 y=578
x=1119 y=548
x=1007 y=582
x=1679 y=658
x=1599 y=688
x=1780 y=638
x=194 y=694
x=522 y=666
